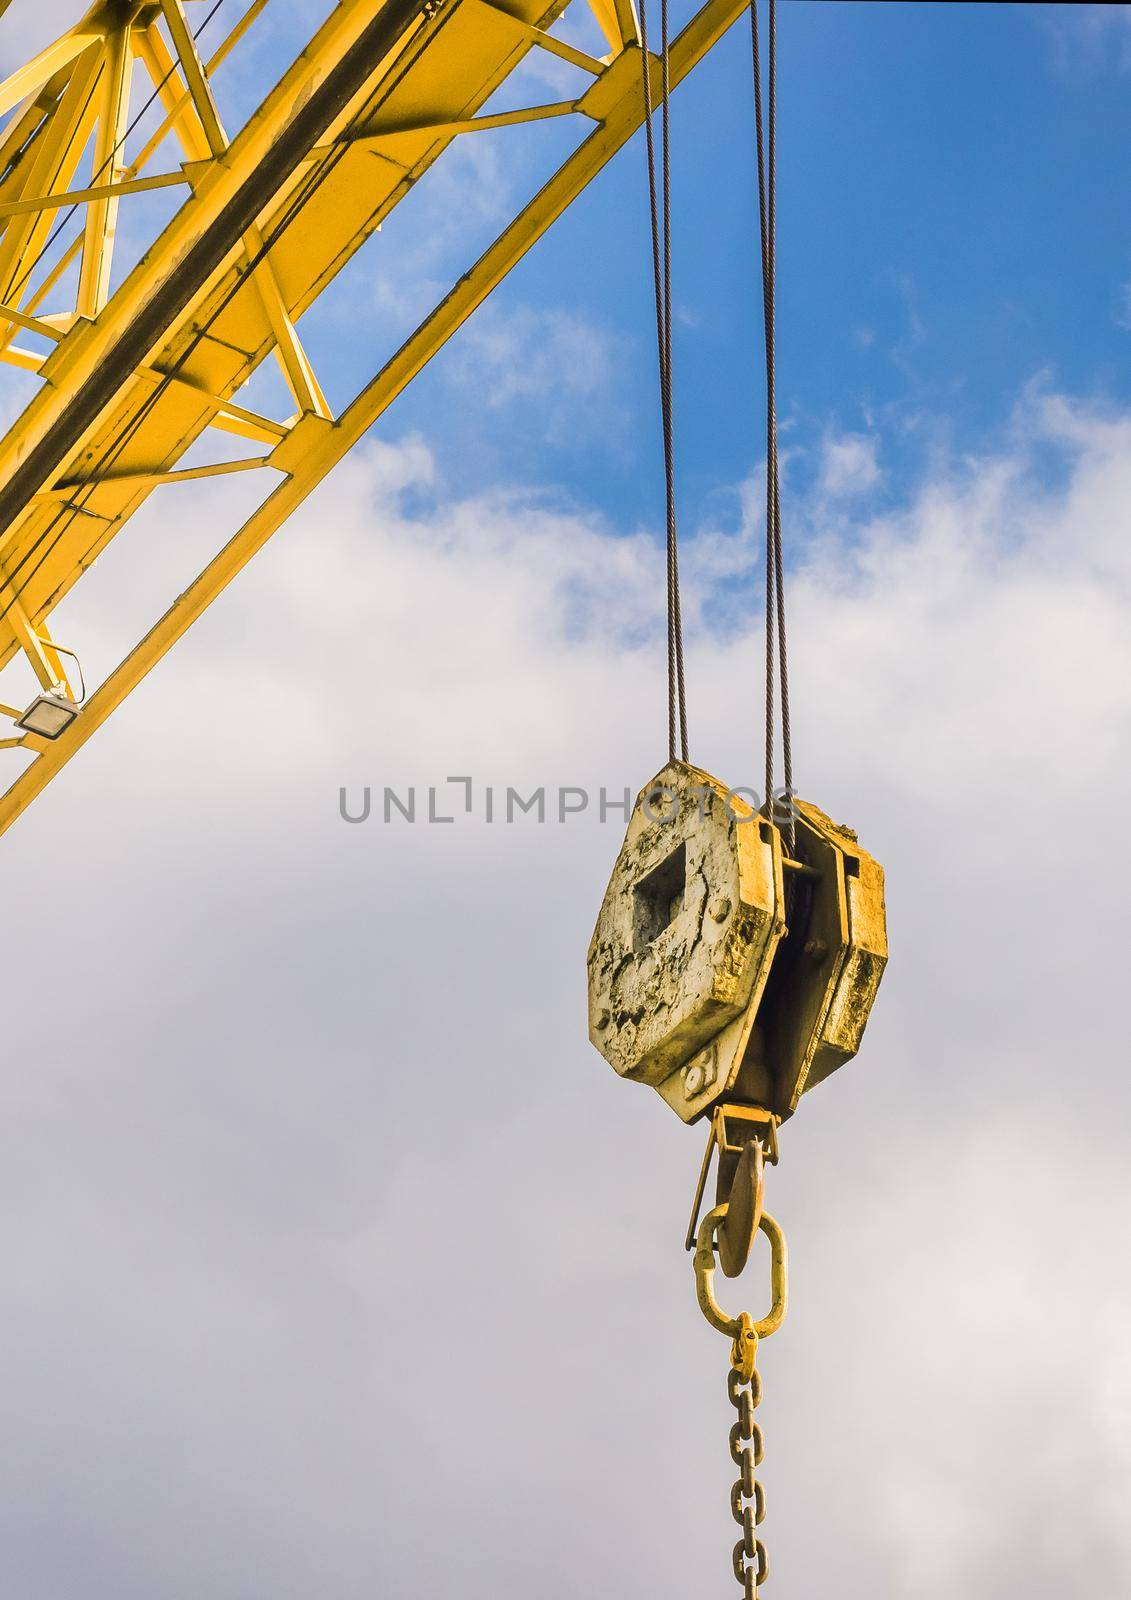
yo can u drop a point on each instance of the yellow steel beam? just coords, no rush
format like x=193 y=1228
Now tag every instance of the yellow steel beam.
x=315 y=446
x=293 y=359
x=214 y=469
x=32 y=324
x=628 y=21
x=218 y=56
x=616 y=102
x=608 y=22
x=228 y=416
x=560 y=48
x=196 y=77
x=102 y=212
x=29 y=639
x=55 y=659
x=452 y=66
x=40 y=294
x=483 y=124
x=181 y=112
x=21 y=128
x=30 y=78
x=90 y=52
x=27 y=123
x=385 y=134
x=101 y=191
x=26 y=359
x=54 y=159
x=231 y=418
x=87 y=362
x=85 y=353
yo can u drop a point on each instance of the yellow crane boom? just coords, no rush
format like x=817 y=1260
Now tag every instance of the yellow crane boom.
x=270 y=217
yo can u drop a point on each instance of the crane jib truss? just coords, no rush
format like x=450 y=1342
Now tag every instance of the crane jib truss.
x=136 y=377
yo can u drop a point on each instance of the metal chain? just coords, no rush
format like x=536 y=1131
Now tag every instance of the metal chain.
x=744 y=1386
x=747 y=1498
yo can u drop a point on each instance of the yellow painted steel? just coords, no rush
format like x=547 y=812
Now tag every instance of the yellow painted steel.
x=428 y=92
x=705 y=1277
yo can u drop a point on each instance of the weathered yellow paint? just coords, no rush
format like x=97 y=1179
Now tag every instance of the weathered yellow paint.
x=102 y=212
x=686 y=938
x=721 y=967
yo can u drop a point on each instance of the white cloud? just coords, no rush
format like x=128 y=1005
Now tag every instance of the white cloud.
x=521 y=353
x=849 y=465
x=1123 y=310
x=315 y=1201
x=26 y=29
x=1088 y=39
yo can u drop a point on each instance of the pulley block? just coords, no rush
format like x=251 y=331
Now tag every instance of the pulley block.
x=726 y=964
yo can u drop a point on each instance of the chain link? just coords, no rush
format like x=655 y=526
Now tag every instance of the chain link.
x=747 y=1498
x=744 y=1386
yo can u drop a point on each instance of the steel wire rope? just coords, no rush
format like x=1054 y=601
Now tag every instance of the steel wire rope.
x=662 y=282
x=776 y=644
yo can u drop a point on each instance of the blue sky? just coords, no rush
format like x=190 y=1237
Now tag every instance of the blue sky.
x=952 y=228
x=246 y=1310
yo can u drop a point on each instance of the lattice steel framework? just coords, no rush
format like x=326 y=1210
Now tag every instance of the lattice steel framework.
x=135 y=377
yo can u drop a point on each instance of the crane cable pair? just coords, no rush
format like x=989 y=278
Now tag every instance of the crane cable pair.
x=777 y=665
x=743 y=1213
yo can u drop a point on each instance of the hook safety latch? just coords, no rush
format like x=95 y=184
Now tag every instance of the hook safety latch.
x=705 y=1265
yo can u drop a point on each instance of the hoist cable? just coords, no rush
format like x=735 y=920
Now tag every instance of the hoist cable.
x=662 y=282
x=672 y=539
x=777 y=661
x=779 y=564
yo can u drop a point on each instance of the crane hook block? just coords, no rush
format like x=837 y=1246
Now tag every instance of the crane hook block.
x=723 y=968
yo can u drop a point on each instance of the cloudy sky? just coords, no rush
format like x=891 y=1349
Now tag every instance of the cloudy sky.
x=338 y=1264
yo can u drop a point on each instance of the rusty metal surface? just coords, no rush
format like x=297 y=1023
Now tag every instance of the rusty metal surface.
x=685 y=937
x=723 y=970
